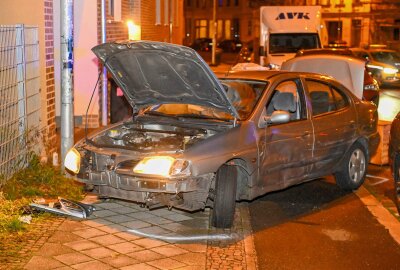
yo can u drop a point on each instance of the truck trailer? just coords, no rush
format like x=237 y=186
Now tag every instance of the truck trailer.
x=287 y=29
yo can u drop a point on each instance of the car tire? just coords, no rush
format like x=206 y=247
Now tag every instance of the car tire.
x=396 y=171
x=225 y=197
x=353 y=169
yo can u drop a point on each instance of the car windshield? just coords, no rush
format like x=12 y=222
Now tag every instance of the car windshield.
x=243 y=94
x=291 y=43
x=386 y=56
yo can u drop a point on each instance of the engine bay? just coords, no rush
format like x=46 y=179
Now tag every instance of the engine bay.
x=149 y=137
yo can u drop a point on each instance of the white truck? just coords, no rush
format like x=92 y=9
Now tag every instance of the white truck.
x=287 y=29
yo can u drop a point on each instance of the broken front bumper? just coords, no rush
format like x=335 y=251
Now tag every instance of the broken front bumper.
x=187 y=193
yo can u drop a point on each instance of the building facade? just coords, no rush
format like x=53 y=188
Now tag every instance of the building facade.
x=357 y=22
x=157 y=20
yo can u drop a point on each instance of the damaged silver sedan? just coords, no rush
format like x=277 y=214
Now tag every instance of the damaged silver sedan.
x=197 y=141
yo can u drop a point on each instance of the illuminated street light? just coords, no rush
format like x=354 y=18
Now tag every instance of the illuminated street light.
x=134 y=31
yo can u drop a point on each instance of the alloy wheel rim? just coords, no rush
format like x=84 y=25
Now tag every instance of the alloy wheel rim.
x=357 y=165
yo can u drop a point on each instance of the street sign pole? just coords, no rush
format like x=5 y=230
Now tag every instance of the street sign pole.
x=214 y=38
x=67 y=81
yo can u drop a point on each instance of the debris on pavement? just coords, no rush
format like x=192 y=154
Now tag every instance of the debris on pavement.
x=25 y=219
x=65 y=207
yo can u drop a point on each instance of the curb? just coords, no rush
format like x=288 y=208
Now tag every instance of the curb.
x=383 y=216
x=249 y=248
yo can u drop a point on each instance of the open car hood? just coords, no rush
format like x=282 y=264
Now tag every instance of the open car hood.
x=346 y=70
x=152 y=73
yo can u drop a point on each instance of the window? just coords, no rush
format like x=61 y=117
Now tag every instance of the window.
x=249 y=27
x=220 y=29
x=325 y=98
x=356 y=32
x=361 y=54
x=288 y=96
x=158 y=12
x=323 y=2
x=220 y=3
x=228 y=33
x=396 y=30
x=243 y=94
x=340 y=4
x=291 y=43
x=166 y=12
x=114 y=10
x=201 y=28
x=334 y=31
x=228 y=3
x=236 y=28
x=236 y=2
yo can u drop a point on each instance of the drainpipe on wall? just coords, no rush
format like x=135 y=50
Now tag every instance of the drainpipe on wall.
x=171 y=6
x=67 y=82
x=214 y=38
x=104 y=85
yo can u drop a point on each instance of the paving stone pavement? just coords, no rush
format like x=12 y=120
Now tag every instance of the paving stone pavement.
x=122 y=235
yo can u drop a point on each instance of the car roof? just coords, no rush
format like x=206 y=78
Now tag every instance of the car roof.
x=340 y=51
x=262 y=75
x=372 y=50
x=380 y=50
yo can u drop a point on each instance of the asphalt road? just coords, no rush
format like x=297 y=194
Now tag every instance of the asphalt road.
x=318 y=226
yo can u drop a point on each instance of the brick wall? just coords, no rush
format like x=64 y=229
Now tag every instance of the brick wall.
x=151 y=31
x=50 y=90
x=142 y=12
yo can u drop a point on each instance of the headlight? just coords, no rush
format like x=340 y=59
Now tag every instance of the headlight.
x=374 y=67
x=73 y=160
x=390 y=70
x=162 y=166
x=274 y=66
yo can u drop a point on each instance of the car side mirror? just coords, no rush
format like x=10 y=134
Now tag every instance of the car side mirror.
x=277 y=117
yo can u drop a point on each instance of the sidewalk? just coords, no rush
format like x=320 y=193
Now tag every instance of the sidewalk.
x=122 y=235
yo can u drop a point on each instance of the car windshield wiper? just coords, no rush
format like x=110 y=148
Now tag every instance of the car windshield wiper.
x=159 y=114
x=198 y=116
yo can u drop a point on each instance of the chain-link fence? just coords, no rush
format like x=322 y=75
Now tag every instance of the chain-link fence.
x=19 y=96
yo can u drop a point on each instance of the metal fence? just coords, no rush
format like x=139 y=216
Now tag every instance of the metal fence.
x=19 y=96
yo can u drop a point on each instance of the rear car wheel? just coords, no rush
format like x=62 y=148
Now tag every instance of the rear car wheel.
x=351 y=174
x=397 y=183
x=225 y=197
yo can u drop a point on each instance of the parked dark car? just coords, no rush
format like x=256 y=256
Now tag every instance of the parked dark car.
x=202 y=44
x=198 y=141
x=230 y=45
x=371 y=86
x=383 y=64
x=394 y=157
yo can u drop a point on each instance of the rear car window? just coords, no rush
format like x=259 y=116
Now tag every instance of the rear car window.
x=325 y=98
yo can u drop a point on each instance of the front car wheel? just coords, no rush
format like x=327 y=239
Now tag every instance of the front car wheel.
x=225 y=197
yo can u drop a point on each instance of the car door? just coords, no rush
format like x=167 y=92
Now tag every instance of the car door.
x=286 y=149
x=334 y=123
